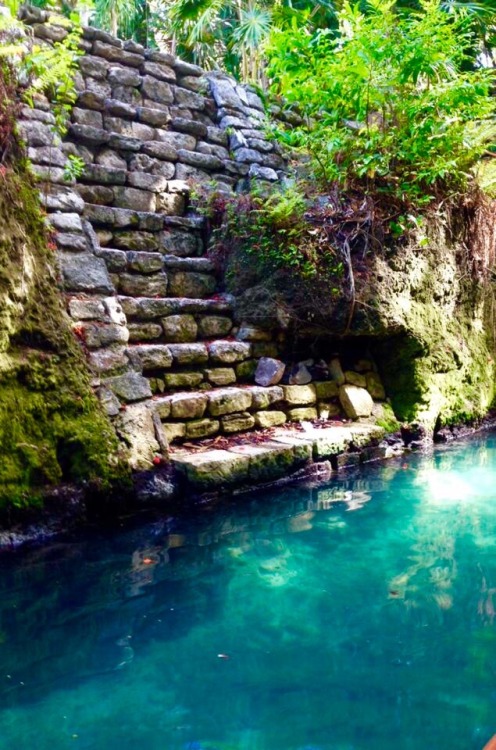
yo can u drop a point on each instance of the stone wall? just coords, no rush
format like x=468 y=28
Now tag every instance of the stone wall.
x=168 y=360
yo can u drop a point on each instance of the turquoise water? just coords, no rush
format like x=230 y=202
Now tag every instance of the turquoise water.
x=356 y=615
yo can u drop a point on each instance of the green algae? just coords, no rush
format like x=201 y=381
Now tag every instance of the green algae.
x=52 y=428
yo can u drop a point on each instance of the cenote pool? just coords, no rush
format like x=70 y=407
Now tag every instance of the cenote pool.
x=357 y=615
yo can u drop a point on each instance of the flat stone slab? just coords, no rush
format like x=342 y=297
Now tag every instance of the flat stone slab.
x=255 y=462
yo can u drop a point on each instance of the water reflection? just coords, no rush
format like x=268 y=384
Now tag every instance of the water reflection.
x=356 y=614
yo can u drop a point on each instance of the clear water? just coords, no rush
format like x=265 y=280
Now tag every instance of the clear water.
x=355 y=615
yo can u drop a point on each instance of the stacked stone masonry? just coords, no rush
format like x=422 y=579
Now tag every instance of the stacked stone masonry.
x=169 y=363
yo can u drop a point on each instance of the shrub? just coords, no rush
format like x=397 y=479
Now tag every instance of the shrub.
x=389 y=105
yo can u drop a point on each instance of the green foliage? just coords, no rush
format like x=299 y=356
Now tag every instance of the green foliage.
x=74 y=167
x=388 y=104
x=51 y=71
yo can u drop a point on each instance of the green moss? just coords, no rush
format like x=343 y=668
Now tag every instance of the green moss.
x=52 y=428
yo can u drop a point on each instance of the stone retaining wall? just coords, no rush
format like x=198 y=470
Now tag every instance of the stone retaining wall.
x=168 y=359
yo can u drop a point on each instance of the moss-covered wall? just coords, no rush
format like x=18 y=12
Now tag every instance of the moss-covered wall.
x=52 y=428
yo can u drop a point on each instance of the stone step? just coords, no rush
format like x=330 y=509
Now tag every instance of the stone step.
x=207 y=409
x=153 y=308
x=284 y=453
x=153 y=357
x=198 y=265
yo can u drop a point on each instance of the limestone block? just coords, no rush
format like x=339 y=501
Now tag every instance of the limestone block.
x=227 y=352
x=143 y=286
x=264 y=397
x=47 y=155
x=100 y=195
x=354 y=378
x=212 y=326
x=159 y=70
x=162 y=406
x=356 y=402
x=115 y=260
x=109 y=401
x=116 y=108
x=126 y=94
x=264 y=419
x=179 y=243
x=108 y=361
x=194 y=285
x=336 y=371
x=83 y=272
x=171 y=204
x=262 y=173
x=180 y=328
x=174 y=431
x=268 y=461
x=88 y=134
x=177 y=141
x=237 y=422
x=144 y=262
x=202 y=428
x=87 y=309
x=57 y=198
x=91 y=100
x=143 y=163
x=189 y=354
x=72 y=242
x=152 y=116
x=364 y=434
x=101 y=88
x=221 y=376
x=123 y=76
x=193 y=84
x=300 y=394
x=137 y=200
x=97 y=335
x=331 y=441
x=228 y=401
x=186 y=98
x=109 y=159
x=38 y=133
x=213 y=469
x=245 y=371
x=328 y=410
x=93 y=66
x=156 y=90
x=104 y=175
x=141 y=241
x=155 y=183
x=136 y=429
x=182 y=379
x=374 y=386
x=153 y=356
x=326 y=389
x=115 y=54
x=190 y=127
x=144 y=331
x=302 y=413
x=188 y=405
x=160 y=150
x=130 y=387
x=269 y=371
x=202 y=161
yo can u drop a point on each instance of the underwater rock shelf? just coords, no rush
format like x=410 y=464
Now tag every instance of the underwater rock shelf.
x=285 y=454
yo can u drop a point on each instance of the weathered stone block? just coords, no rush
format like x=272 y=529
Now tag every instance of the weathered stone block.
x=109 y=401
x=136 y=429
x=354 y=378
x=328 y=410
x=375 y=387
x=115 y=54
x=185 y=98
x=104 y=334
x=189 y=354
x=108 y=361
x=157 y=90
x=160 y=150
x=110 y=160
x=153 y=356
x=264 y=397
x=115 y=260
x=268 y=461
x=144 y=331
x=144 y=181
x=174 y=431
x=139 y=241
x=177 y=141
x=83 y=272
x=302 y=413
x=356 y=402
x=269 y=371
x=336 y=371
x=179 y=243
x=143 y=262
x=194 y=285
x=93 y=66
x=221 y=376
x=326 y=389
x=202 y=428
x=237 y=422
x=100 y=195
x=213 y=326
x=265 y=419
x=136 y=200
x=87 y=309
x=300 y=394
x=159 y=70
x=245 y=371
x=171 y=204
x=73 y=242
x=252 y=333
x=130 y=387
x=229 y=351
x=159 y=118
x=188 y=405
x=182 y=379
x=228 y=401
x=180 y=328
x=213 y=469
x=56 y=198
x=123 y=76
x=104 y=175
x=143 y=163
x=143 y=286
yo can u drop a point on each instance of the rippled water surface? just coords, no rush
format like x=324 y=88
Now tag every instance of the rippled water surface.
x=357 y=615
